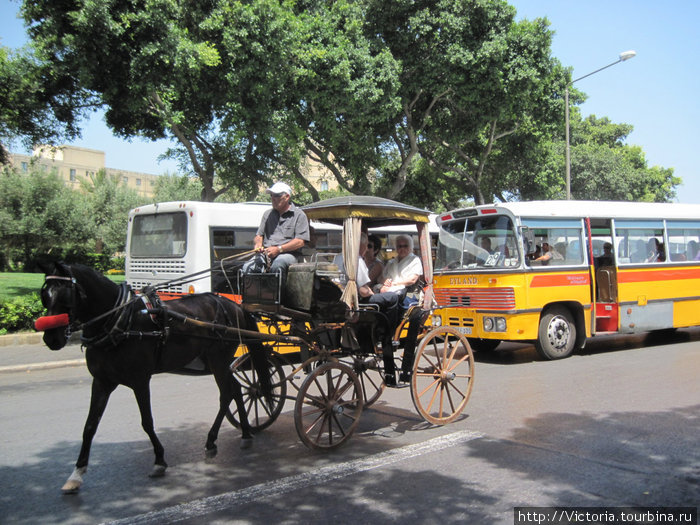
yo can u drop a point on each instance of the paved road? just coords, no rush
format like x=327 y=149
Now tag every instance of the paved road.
x=617 y=425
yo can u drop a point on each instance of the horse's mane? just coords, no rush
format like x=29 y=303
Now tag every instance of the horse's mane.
x=82 y=272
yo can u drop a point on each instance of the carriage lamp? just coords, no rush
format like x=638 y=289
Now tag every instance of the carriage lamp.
x=494 y=324
x=436 y=320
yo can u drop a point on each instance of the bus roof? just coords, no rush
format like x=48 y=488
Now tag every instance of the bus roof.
x=576 y=209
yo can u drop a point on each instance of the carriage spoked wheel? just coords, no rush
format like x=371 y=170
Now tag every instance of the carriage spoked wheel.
x=443 y=375
x=328 y=406
x=260 y=415
x=370 y=371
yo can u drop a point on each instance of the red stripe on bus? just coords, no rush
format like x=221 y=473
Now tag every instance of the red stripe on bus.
x=674 y=274
x=544 y=281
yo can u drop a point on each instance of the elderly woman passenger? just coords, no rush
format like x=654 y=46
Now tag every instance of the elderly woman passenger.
x=404 y=270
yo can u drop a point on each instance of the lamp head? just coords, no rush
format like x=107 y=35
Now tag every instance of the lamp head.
x=626 y=55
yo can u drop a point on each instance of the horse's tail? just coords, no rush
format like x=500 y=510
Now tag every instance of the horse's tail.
x=258 y=355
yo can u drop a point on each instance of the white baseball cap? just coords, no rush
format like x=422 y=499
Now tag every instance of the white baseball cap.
x=280 y=187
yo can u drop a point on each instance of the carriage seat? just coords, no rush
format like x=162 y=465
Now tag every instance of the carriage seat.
x=313 y=287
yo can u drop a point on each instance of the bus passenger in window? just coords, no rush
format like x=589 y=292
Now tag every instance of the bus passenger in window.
x=607 y=258
x=486 y=244
x=548 y=253
x=656 y=252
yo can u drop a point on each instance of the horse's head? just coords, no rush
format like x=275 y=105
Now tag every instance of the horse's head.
x=61 y=295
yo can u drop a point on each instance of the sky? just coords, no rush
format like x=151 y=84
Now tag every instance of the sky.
x=654 y=91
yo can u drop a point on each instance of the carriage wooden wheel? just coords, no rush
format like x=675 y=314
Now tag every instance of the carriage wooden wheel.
x=443 y=375
x=260 y=414
x=370 y=371
x=328 y=406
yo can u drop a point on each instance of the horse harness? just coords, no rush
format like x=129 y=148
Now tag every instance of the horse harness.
x=117 y=323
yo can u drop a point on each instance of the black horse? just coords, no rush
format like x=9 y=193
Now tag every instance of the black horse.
x=126 y=343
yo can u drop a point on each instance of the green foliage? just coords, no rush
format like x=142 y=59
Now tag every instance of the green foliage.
x=177 y=188
x=40 y=216
x=604 y=167
x=36 y=105
x=380 y=93
x=19 y=314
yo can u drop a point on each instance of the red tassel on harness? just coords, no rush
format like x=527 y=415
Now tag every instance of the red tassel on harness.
x=51 y=321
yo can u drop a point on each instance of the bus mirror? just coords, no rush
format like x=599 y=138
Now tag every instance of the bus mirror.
x=528 y=239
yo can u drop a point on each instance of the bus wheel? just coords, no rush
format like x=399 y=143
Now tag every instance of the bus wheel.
x=483 y=345
x=557 y=334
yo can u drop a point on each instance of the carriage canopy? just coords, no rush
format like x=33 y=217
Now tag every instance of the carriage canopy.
x=354 y=212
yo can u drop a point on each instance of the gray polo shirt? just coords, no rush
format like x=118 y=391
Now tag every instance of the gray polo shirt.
x=277 y=229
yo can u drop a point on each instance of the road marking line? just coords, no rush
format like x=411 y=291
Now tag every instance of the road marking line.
x=203 y=506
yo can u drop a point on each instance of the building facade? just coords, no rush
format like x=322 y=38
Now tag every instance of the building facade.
x=73 y=164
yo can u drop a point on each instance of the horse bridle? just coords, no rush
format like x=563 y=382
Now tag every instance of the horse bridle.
x=77 y=293
x=111 y=318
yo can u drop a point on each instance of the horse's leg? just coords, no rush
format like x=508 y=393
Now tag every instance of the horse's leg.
x=229 y=389
x=101 y=390
x=142 y=392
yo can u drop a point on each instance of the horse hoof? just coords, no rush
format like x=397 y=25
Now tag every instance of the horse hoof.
x=210 y=452
x=74 y=481
x=158 y=471
x=246 y=443
x=71 y=487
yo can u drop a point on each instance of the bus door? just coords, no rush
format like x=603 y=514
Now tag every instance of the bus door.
x=604 y=256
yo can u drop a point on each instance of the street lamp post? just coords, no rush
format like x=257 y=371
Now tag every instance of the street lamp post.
x=626 y=55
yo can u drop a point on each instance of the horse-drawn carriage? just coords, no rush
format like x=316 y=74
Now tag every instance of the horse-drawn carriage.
x=341 y=342
x=341 y=338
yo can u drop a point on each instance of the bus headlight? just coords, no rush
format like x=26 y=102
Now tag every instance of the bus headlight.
x=436 y=320
x=494 y=324
x=500 y=324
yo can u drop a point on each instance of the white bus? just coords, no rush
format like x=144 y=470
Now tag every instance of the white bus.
x=170 y=241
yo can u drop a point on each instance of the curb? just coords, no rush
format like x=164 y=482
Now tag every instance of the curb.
x=21 y=338
x=42 y=366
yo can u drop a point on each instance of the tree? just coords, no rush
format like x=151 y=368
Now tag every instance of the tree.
x=177 y=188
x=477 y=78
x=604 y=167
x=207 y=74
x=39 y=214
x=109 y=202
x=37 y=105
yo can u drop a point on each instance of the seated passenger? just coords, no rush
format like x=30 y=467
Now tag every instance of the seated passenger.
x=375 y=267
x=655 y=251
x=548 y=254
x=387 y=303
x=402 y=273
x=283 y=232
x=402 y=276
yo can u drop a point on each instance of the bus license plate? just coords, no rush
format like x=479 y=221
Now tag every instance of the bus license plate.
x=466 y=330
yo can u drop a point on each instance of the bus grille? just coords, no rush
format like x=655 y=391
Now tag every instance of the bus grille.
x=157 y=265
x=171 y=288
x=495 y=298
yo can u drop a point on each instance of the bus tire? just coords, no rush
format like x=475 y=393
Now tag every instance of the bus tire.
x=483 y=345
x=557 y=333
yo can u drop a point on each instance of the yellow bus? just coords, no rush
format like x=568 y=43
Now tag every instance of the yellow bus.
x=559 y=272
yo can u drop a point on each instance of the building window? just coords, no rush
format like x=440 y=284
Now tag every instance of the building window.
x=125 y=180
x=324 y=185
x=138 y=182
x=25 y=167
x=72 y=175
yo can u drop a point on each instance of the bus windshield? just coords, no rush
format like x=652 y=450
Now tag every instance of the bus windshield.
x=478 y=242
x=159 y=235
